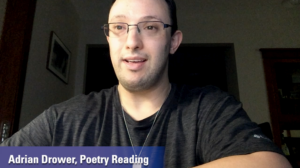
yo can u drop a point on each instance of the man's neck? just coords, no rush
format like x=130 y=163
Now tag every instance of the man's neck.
x=142 y=104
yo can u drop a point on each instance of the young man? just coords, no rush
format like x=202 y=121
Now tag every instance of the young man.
x=202 y=127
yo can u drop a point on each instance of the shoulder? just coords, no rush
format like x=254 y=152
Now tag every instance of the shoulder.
x=207 y=102
x=81 y=104
x=206 y=95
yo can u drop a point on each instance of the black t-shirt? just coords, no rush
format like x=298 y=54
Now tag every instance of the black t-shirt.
x=195 y=125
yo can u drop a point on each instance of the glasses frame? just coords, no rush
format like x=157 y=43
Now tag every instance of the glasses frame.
x=105 y=26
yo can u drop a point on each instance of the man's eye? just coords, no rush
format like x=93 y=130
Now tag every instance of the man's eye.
x=150 y=27
x=119 y=27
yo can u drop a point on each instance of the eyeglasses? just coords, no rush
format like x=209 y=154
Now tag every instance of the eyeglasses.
x=146 y=28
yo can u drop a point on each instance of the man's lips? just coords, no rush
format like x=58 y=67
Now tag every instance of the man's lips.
x=134 y=59
x=134 y=63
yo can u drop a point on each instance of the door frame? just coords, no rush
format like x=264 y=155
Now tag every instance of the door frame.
x=14 y=51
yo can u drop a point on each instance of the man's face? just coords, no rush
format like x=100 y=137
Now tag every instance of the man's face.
x=140 y=62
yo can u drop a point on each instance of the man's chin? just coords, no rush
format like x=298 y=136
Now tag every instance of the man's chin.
x=135 y=86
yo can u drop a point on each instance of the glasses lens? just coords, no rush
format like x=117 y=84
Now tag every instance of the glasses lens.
x=148 y=29
x=151 y=28
x=116 y=29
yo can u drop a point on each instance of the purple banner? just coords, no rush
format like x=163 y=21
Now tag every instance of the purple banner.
x=111 y=157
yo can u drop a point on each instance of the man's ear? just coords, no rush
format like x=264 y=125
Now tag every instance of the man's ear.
x=107 y=38
x=175 y=41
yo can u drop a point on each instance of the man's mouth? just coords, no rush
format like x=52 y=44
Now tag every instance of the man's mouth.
x=135 y=61
x=134 y=64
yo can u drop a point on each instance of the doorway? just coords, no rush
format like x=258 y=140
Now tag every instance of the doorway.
x=192 y=64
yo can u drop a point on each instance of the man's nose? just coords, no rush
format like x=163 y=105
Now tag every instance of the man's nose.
x=134 y=39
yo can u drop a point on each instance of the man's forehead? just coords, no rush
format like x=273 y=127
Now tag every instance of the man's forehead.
x=139 y=9
x=148 y=17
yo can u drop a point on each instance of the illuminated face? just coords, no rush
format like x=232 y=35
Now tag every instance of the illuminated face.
x=140 y=62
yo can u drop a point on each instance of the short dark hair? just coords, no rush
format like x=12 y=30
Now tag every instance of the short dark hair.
x=172 y=12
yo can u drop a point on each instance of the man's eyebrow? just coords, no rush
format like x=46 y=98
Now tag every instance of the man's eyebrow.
x=149 y=17
x=152 y=17
x=118 y=17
